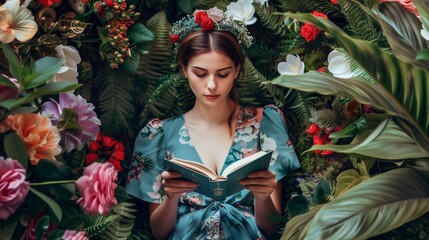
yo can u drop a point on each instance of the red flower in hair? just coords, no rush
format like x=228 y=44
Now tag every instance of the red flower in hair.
x=200 y=16
x=174 y=38
x=48 y=3
x=207 y=24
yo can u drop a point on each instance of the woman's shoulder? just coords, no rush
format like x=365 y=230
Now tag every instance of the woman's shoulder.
x=159 y=124
x=267 y=109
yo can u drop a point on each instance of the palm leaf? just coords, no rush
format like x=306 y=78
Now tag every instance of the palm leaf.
x=352 y=216
x=116 y=102
x=95 y=225
x=122 y=227
x=157 y=63
x=401 y=86
x=270 y=21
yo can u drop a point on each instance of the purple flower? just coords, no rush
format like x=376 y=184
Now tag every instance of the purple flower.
x=75 y=118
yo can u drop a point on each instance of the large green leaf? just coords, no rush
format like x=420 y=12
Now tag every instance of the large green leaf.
x=407 y=83
x=15 y=67
x=42 y=70
x=298 y=226
x=375 y=206
x=53 y=205
x=15 y=148
x=387 y=141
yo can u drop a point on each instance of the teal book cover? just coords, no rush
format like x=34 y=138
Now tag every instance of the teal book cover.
x=220 y=187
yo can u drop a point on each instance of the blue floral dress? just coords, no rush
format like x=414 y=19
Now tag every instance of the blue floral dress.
x=198 y=216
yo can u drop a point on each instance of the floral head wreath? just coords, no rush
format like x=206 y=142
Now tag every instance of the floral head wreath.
x=207 y=20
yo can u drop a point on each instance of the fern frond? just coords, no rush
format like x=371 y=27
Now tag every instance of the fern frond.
x=361 y=25
x=116 y=103
x=171 y=97
x=74 y=159
x=297 y=107
x=154 y=3
x=221 y=4
x=251 y=90
x=96 y=225
x=275 y=23
x=157 y=63
x=122 y=227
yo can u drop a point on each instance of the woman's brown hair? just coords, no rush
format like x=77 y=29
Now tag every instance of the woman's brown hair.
x=199 y=42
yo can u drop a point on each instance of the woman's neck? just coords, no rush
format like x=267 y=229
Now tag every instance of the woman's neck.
x=211 y=115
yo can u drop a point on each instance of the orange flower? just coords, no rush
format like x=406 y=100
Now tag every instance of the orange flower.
x=40 y=137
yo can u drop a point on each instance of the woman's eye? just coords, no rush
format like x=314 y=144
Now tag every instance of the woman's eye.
x=200 y=75
x=222 y=76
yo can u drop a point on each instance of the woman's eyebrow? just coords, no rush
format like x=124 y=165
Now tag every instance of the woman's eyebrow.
x=221 y=69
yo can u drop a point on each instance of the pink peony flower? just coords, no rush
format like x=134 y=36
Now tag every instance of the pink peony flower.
x=13 y=187
x=80 y=130
x=75 y=235
x=97 y=187
x=36 y=131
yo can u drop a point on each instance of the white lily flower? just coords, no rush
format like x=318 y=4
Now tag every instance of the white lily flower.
x=338 y=65
x=425 y=33
x=292 y=66
x=242 y=11
x=69 y=56
x=262 y=2
x=16 y=22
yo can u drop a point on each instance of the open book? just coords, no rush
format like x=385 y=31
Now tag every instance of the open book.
x=216 y=186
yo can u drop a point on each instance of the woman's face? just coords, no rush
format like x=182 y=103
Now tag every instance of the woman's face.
x=211 y=76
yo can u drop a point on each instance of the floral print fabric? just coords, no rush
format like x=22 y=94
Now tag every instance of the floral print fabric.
x=200 y=217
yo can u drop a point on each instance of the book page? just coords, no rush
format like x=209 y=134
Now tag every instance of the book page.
x=242 y=162
x=197 y=167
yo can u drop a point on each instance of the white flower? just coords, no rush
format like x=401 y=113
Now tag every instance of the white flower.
x=16 y=22
x=262 y=2
x=339 y=65
x=292 y=66
x=242 y=11
x=215 y=14
x=425 y=33
x=69 y=56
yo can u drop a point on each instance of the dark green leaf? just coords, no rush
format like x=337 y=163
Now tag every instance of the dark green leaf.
x=56 y=235
x=102 y=34
x=350 y=131
x=132 y=63
x=6 y=82
x=75 y=223
x=120 y=194
x=322 y=193
x=41 y=227
x=186 y=5
x=297 y=205
x=8 y=227
x=52 y=170
x=43 y=70
x=56 y=209
x=15 y=148
x=15 y=67
x=139 y=33
x=423 y=54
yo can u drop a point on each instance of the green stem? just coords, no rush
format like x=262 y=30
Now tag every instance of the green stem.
x=52 y=182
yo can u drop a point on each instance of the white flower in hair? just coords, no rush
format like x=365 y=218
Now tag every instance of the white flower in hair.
x=338 y=65
x=292 y=66
x=216 y=14
x=425 y=33
x=262 y=2
x=242 y=11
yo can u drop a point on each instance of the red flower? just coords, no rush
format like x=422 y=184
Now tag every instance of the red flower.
x=309 y=32
x=334 y=1
x=207 y=24
x=174 y=38
x=90 y=158
x=110 y=3
x=319 y=14
x=200 y=16
x=108 y=141
x=313 y=129
x=116 y=164
x=94 y=146
x=119 y=155
x=327 y=152
x=322 y=69
x=48 y=3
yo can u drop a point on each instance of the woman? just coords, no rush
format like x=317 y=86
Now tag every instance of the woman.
x=215 y=132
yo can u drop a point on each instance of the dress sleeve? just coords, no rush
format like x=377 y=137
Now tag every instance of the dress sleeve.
x=144 y=176
x=274 y=136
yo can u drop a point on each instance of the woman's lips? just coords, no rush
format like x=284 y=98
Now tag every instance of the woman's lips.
x=212 y=97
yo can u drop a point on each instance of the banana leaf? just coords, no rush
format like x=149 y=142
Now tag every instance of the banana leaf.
x=400 y=89
x=373 y=207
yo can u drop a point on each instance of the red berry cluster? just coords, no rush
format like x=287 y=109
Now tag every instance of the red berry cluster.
x=321 y=136
x=117 y=29
x=106 y=149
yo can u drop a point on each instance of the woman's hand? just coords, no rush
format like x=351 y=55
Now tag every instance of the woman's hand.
x=175 y=187
x=260 y=183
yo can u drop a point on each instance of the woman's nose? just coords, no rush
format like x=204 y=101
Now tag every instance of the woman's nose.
x=211 y=83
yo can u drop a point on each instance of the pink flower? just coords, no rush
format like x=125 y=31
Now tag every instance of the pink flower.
x=97 y=187
x=75 y=235
x=13 y=187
